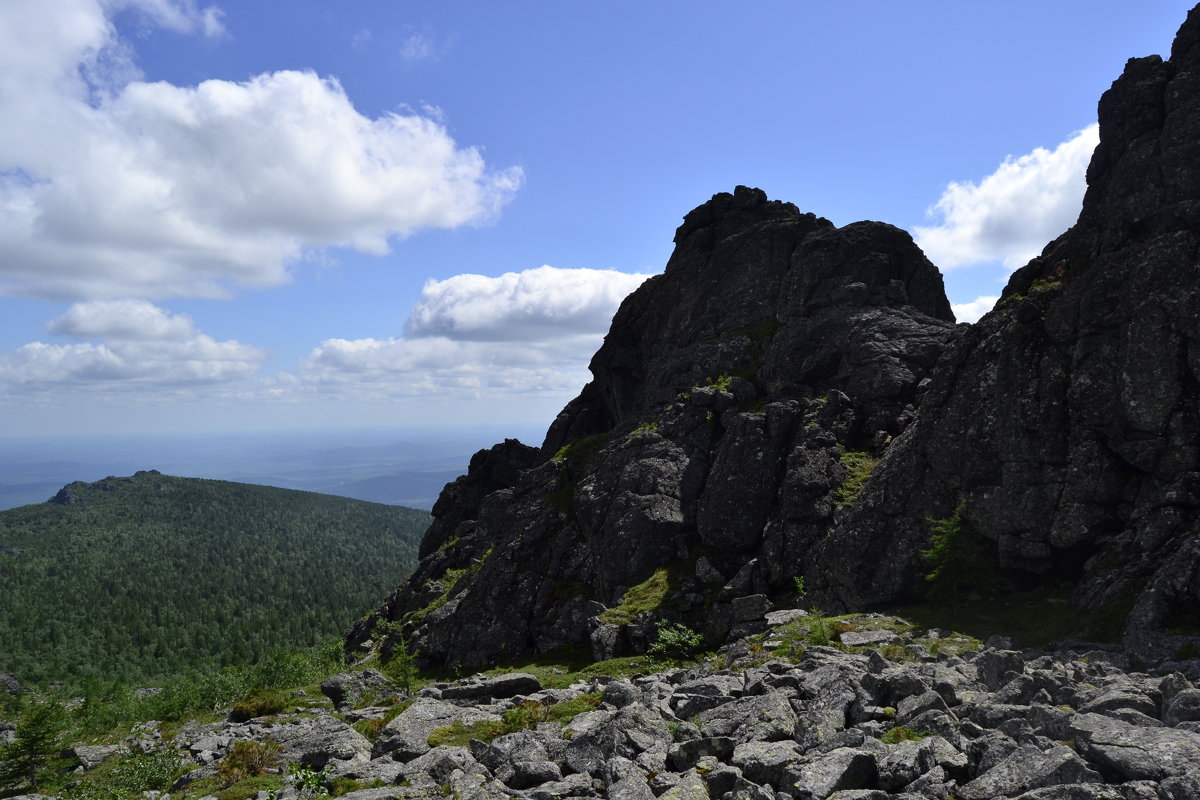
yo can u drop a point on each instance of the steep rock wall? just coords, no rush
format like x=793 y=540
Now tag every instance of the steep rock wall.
x=1067 y=418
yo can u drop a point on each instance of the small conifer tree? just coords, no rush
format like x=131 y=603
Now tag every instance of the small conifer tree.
x=958 y=559
x=28 y=759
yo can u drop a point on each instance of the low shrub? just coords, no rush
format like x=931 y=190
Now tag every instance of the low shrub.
x=675 y=641
x=248 y=759
x=259 y=703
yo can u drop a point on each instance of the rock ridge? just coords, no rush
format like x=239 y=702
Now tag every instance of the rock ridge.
x=726 y=397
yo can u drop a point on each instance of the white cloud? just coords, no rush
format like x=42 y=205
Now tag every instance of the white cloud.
x=418 y=46
x=1011 y=214
x=112 y=189
x=437 y=366
x=972 y=311
x=521 y=306
x=526 y=333
x=142 y=346
x=122 y=319
x=181 y=16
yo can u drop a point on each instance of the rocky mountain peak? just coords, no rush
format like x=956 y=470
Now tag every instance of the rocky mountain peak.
x=773 y=340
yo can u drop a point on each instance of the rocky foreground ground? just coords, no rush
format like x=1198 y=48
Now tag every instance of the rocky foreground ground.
x=936 y=717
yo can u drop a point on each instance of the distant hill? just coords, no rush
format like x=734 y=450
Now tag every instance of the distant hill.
x=411 y=488
x=151 y=576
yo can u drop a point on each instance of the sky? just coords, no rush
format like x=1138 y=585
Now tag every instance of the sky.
x=267 y=215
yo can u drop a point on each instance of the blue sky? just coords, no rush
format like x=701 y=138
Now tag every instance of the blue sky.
x=269 y=215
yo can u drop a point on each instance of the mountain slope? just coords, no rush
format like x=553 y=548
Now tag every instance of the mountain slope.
x=149 y=576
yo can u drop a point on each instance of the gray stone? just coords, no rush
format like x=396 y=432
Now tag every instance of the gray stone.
x=844 y=768
x=750 y=608
x=1184 y=707
x=316 y=742
x=914 y=705
x=92 y=756
x=766 y=717
x=690 y=787
x=631 y=788
x=766 y=762
x=1027 y=768
x=1127 y=752
x=348 y=689
x=507 y=685
x=866 y=638
x=407 y=736
x=441 y=762
x=683 y=755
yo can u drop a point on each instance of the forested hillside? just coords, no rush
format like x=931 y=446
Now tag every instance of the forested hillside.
x=141 y=578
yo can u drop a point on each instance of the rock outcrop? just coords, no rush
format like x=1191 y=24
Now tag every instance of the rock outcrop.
x=1068 y=419
x=739 y=399
x=742 y=400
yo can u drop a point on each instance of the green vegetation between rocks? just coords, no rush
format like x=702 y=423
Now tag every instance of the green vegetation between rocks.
x=958 y=559
x=858 y=464
x=169 y=575
x=525 y=716
x=646 y=596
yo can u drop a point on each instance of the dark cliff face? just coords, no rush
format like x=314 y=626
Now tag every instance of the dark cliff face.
x=1067 y=418
x=712 y=441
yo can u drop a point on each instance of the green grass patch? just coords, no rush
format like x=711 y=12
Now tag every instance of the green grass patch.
x=524 y=716
x=902 y=734
x=646 y=596
x=245 y=789
x=371 y=728
x=580 y=451
x=568 y=710
x=858 y=464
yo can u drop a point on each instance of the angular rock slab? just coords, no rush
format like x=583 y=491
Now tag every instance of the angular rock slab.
x=1126 y=752
x=407 y=736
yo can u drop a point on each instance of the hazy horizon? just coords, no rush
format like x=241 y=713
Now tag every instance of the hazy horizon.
x=346 y=462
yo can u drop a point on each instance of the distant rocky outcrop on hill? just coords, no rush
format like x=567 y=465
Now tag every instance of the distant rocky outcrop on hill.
x=742 y=399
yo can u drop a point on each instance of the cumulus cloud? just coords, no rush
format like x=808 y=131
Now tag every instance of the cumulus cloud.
x=122 y=319
x=142 y=346
x=112 y=187
x=1011 y=214
x=521 y=306
x=972 y=311
x=529 y=332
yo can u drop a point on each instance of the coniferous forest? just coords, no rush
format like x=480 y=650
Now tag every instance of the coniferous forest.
x=145 y=578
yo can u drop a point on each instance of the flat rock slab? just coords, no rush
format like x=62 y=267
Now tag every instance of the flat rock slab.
x=510 y=685
x=784 y=616
x=1117 y=748
x=1029 y=768
x=864 y=638
x=407 y=736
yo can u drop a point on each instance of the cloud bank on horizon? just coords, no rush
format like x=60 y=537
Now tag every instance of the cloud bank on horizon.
x=117 y=192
